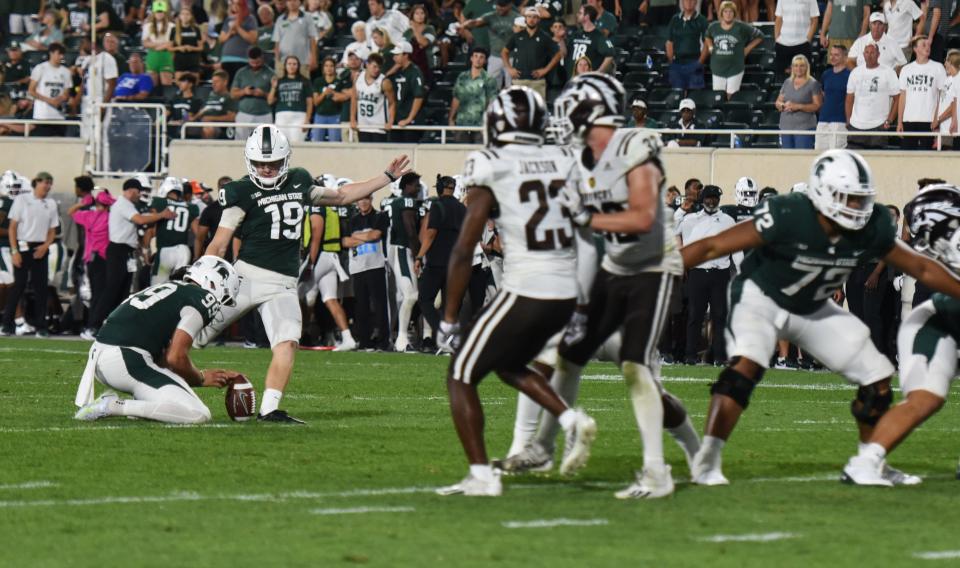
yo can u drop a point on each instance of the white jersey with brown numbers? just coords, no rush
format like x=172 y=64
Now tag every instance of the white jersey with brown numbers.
x=539 y=259
x=604 y=188
x=371 y=104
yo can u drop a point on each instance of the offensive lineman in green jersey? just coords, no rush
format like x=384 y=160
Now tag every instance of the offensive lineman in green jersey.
x=928 y=337
x=265 y=209
x=172 y=235
x=806 y=246
x=143 y=349
x=404 y=249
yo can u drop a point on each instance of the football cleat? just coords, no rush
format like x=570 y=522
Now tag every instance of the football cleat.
x=898 y=477
x=348 y=344
x=708 y=474
x=865 y=471
x=25 y=329
x=584 y=432
x=88 y=334
x=785 y=364
x=650 y=484
x=97 y=409
x=280 y=416
x=475 y=487
x=531 y=459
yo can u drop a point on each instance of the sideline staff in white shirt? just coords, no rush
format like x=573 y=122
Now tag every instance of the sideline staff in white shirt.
x=706 y=283
x=121 y=260
x=33 y=226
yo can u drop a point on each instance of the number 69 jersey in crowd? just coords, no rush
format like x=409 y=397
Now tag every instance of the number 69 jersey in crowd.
x=273 y=220
x=539 y=259
x=603 y=186
x=798 y=267
x=147 y=319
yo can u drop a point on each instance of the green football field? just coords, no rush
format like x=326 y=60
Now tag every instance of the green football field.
x=355 y=485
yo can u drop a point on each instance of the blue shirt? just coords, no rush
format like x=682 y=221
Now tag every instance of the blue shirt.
x=129 y=84
x=834 y=95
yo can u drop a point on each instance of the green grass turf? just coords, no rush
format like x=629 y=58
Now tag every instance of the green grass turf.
x=132 y=493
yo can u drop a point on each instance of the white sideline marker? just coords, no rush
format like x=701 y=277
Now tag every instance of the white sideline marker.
x=937 y=555
x=361 y=510
x=29 y=485
x=753 y=537
x=550 y=523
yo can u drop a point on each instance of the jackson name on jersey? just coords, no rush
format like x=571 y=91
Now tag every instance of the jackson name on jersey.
x=273 y=220
x=798 y=266
x=604 y=189
x=539 y=259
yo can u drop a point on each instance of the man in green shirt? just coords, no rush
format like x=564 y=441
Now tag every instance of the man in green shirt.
x=534 y=54
x=472 y=93
x=685 y=47
x=606 y=21
x=500 y=24
x=408 y=83
x=472 y=10
x=844 y=21
x=589 y=42
x=250 y=88
x=218 y=107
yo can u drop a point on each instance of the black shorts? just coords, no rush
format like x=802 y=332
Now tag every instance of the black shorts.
x=638 y=304
x=507 y=334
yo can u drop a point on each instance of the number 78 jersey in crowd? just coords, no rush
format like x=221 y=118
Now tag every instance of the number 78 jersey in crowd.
x=539 y=259
x=798 y=266
x=604 y=188
x=272 y=226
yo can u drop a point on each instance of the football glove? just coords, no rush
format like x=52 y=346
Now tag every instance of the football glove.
x=572 y=201
x=576 y=329
x=448 y=337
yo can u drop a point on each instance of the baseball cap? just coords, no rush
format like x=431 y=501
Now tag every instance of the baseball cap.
x=104 y=198
x=14 y=45
x=638 y=103
x=402 y=47
x=132 y=183
x=43 y=176
x=877 y=17
x=710 y=191
x=531 y=11
x=360 y=51
x=688 y=104
x=158 y=6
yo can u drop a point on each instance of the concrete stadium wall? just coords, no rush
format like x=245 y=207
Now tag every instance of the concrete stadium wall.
x=895 y=172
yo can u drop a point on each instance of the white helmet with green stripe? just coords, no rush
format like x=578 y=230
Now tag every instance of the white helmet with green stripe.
x=268 y=156
x=841 y=188
x=216 y=276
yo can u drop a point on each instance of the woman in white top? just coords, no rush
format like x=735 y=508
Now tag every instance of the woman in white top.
x=901 y=15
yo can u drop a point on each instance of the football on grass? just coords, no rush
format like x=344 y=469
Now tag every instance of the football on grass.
x=241 y=399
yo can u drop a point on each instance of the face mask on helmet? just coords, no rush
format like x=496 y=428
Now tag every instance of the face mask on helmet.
x=933 y=219
x=591 y=99
x=268 y=156
x=841 y=188
x=747 y=192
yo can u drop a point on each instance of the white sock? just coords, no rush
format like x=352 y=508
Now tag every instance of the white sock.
x=525 y=424
x=19 y=321
x=482 y=471
x=271 y=401
x=403 y=319
x=567 y=419
x=647 y=409
x=873 y=451
x=710 y=450
x=565 y=381
x=346 y=336
x=686 y=437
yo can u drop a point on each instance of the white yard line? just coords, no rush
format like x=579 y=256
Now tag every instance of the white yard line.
x=362 y=510
x=753 y=537
x=108 y=427
x=29 y=485
x=550 y=523
x=937 y=555
x=39 y=350
x=767 y=385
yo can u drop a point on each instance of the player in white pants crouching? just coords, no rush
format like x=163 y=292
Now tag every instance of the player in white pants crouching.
x=136 y=336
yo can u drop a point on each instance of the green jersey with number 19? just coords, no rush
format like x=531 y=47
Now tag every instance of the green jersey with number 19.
x=539 y=259
x=798 y=266
x=176 y=231
x=273 y=220
x=148 y=319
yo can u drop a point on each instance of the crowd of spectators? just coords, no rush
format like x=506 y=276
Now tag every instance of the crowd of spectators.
x=825 y=67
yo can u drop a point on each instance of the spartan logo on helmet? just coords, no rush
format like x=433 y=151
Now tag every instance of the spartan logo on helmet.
x=216 y=276
x=591 y=99
x=841 y=188
x=933 y=217
x=517 y=116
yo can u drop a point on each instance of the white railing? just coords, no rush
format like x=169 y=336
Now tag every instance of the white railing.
x=25 y=122
x=96 y=166
x=351 y=133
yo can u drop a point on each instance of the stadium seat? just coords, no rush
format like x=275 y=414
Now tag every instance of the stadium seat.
x=646 y=79
x=648 y=42
x=667 y=97
x=202 y=91
x=439 y=98
x=750 y=94
x=706 y=99
x=34 y=58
